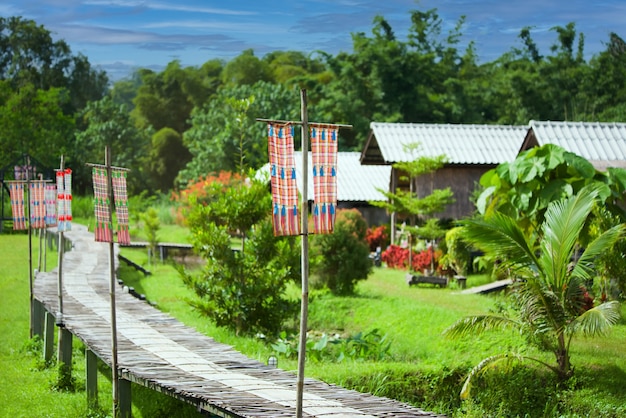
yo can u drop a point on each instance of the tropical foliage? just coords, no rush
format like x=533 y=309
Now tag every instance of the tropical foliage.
x=424 y=76
x=241 y=288
x=550 y=270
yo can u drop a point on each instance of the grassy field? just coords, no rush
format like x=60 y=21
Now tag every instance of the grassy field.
x=425 y=368
x=422 y=368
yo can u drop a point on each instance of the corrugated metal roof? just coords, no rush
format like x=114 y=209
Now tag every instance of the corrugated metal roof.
x=602 y=143
x=355 y=182
x=462 y=144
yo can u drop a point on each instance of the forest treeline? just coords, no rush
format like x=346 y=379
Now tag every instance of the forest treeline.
x=182 y=123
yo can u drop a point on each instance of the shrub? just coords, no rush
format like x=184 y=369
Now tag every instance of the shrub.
x=341 y=259
x=377 y=237
x=398 y=258
x=243 y=289
x=458 y=253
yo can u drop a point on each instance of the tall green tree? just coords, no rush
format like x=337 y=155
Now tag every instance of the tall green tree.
x=225 y=136
x=32 y=122
x=388 y=79
x=166 y=157
x=607 y=82
x=29 y=56
x=549 y=291
x=292 y=66
x=110 y=124
x=246 y=69
x=166 y=99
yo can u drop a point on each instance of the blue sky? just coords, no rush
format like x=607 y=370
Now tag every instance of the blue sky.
x=119 y=35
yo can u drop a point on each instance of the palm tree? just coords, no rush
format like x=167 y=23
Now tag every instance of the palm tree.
x=549 y=288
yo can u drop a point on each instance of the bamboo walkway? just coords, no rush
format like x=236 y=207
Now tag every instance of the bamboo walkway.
x=157 y=351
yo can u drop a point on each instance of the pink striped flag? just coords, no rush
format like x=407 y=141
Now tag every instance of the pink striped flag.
x=16 y=192
x=118 y=178
x=324 y=156
x=50 y=197
x=37 y=205
x=103 y=231
x=283 y=180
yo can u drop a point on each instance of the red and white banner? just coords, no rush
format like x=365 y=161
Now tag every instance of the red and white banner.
x=16 y=192
x=120 y=196
x=324 y=156
x=37 y=204
x=286 y=215
x=103 y=230
x=64 y=200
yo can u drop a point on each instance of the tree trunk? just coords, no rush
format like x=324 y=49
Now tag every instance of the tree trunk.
x=562 y=358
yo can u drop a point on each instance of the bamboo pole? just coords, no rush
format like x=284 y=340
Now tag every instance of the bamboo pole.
x=59 y=317
x=305 y=253
x=304 y=212
x=114 y=371
x=299 y=122
x=30 y=247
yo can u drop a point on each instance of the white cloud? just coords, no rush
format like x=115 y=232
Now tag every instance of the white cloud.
x=167 y=7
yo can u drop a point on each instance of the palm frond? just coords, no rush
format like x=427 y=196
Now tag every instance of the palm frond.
x=542 y=310
x=584 y=268
x=597 y=320
x=563 y=223
x=500 y=236
x=487 y=364
x=473 y=325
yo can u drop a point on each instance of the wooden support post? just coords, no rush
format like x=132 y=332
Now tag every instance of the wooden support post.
x=38 y=318
x=65 y=350
x=124 y=399
x=91 y=378
x=48 y=340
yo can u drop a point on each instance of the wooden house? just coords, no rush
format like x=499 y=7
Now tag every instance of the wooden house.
x=470 y=150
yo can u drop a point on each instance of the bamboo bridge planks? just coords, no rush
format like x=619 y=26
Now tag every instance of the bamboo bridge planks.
x=157 y=351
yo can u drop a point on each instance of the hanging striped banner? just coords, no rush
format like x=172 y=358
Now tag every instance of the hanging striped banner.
x=37 y=204
x=64 y=200
x=16 y=192
x=324 y=156
x=50 y=199
x=67 y=197
x=283 y=180
x=120 y=197
x=103 y=231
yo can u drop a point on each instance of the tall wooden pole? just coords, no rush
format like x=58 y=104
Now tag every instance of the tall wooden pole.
x=305 y=253
x=114 y=372
x=60 y=250
x=30 y=246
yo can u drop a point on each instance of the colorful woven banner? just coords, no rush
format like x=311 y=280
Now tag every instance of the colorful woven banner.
x=50 y=199
x=103 y=230
x=324 y=156
x=64 y=199
x=16 y=192
x=37 y=204
x=120 y=196
x=283 y=180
